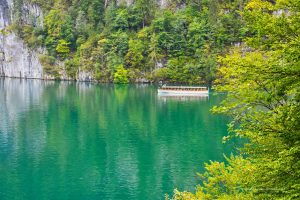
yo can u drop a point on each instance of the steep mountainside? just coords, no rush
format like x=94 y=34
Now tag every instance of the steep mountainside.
x=16 y=59
x=117 y=41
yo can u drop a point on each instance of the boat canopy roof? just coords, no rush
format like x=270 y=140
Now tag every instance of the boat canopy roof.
x=183 y=87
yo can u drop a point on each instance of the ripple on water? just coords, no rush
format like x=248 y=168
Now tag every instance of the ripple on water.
x=85 y=141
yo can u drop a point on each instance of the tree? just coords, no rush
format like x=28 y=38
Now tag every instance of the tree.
x=263 y=85
x=134 y=57
x=135 y=18
x=147 y=8
x=95 y=12
x=63 y=48
x=71 y=67
x=121 y=20
x=59 y=31
x=120 y=75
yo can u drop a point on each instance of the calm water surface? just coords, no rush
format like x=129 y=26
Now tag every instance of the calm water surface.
x=61 y=140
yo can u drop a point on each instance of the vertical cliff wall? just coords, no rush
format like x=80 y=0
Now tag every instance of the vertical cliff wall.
x=16 y=59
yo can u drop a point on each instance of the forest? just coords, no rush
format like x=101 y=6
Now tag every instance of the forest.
x=134 y=41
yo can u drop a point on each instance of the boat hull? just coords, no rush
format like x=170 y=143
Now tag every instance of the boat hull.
x=181 y=93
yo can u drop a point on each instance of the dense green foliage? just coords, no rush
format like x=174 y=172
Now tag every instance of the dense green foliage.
x=263 y=85
x=120 y=75
x=179 y=43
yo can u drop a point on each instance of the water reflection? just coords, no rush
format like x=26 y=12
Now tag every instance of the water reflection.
x=166 y=98
x=65 y=140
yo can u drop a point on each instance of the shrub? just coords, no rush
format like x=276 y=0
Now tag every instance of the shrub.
x=120 y=76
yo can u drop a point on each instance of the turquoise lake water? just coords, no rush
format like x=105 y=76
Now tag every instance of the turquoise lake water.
x=66 y=140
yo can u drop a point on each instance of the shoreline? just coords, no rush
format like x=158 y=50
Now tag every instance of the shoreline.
x=72 y=80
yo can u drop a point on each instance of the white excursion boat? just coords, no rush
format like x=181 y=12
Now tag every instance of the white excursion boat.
x=183 y=91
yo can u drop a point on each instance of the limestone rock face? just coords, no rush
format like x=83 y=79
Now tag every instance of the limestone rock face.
x=16 y=59
x=163 y=3
x=125 y=2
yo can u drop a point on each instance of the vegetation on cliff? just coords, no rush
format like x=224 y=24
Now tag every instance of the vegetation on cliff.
x=177 y=43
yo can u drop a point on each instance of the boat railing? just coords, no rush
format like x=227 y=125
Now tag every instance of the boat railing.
x=191 y=88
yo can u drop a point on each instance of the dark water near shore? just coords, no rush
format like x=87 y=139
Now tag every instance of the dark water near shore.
x=62 y=140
